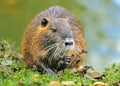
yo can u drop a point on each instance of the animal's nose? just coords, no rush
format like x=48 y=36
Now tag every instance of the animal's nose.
x=69 y=42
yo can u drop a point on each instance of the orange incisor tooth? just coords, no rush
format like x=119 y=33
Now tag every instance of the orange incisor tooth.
x=69 y=53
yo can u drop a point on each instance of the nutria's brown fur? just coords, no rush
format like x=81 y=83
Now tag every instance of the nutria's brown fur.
x=43 y=40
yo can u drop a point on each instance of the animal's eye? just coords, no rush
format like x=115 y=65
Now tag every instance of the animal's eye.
x=54 y=29
x=44 y=22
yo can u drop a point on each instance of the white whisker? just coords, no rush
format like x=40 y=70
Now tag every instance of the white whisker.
x=45 y=43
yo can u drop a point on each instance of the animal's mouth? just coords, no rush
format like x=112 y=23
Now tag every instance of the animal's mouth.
x=57 y=50
x=69 y=47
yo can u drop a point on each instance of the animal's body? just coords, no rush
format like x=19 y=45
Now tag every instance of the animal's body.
x=54 y=39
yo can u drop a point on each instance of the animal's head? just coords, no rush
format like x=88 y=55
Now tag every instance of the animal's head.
x=56 y=36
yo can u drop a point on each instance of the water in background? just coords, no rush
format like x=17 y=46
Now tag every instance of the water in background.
x=102 y=23
x=99 y=18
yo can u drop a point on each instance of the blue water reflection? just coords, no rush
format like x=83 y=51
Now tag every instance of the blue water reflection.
x=102 y=30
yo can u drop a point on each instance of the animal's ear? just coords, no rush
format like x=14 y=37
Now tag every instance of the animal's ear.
x=44 y=22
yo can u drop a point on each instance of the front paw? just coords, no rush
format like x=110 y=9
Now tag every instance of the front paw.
x=62 y=63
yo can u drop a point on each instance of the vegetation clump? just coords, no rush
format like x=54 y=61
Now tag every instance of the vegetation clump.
x=14 y=72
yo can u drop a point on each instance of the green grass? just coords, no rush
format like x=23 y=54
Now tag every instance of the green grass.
x=14 y=72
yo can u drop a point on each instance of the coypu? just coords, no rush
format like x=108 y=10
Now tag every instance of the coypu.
x=54 y=40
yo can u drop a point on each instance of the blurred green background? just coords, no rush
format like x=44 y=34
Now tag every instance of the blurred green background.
x=99 y=18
